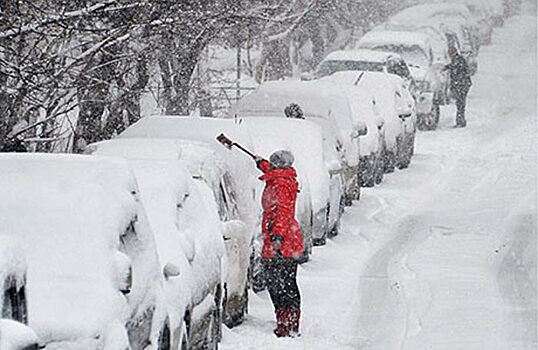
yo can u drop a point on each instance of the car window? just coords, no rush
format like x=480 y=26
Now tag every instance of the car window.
x=14 y=301
x=329 y=67
x=228 y=208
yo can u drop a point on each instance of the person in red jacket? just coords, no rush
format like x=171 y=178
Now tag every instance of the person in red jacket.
x=282 y=239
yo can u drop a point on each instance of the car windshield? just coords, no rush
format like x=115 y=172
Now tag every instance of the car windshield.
x=329 y=67
x=413 y=55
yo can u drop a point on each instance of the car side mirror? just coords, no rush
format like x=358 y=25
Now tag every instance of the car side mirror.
x=234 y=229
x=171 y=270
x=18 y=336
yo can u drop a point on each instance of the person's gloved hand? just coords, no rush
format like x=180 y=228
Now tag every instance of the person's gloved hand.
x=276 y=242
x=258 y=159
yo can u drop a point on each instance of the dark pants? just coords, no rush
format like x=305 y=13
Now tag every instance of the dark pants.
x=460 y=94
x=281 y=280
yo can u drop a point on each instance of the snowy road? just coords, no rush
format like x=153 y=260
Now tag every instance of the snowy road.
x=442 y=255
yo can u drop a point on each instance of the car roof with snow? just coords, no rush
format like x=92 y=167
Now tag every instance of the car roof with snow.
x=389 y=37
x=68 y=213
x=419 y=13
x=360 y=55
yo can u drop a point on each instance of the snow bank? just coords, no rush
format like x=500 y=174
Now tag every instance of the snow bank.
x=68 y=213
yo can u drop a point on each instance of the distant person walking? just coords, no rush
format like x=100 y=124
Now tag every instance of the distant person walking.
x=460 y=83
x=282 y=239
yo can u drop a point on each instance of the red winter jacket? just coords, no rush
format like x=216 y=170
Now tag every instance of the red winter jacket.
x=278 y=202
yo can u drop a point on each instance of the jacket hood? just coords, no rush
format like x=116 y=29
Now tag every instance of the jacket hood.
x=270 y=175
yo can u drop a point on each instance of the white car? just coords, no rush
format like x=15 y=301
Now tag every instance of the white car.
x=231 y=184
x=14 y=332
x=320 y=199
x=325 y=105
x=454 y=20
x=388 y=103
x=188 y=233
x=416 y=49
x=364 y=60
x=93 y=276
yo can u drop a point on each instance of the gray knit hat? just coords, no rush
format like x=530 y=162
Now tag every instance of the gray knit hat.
x=282 y=159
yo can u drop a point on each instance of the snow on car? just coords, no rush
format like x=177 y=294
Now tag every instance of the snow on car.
x=392 y=102
x=322 y=103
x=17 y=336
x=183 y=216
x=206 y=130
x=93 y=277
x=416 y=49
x=452 y=19
x=363 y=104
x=363 y=60
x=232 y=188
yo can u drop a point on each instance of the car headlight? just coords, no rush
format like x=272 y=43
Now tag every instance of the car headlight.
x=424 y=85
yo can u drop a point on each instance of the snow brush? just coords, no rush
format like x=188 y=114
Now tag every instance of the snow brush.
x=226 y=142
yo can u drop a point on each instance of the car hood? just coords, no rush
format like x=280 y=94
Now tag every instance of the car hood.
x=75 y=311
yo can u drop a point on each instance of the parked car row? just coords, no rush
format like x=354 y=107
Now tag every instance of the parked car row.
x=144 y=243
x=151 y=240
x=414 y=44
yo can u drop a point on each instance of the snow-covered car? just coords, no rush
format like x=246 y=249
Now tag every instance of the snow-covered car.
x=324 y=104
x=14 y=332
x=364 y=60
x=454 y=20
x=183 y=215
x=320 y=200
x=230 y=178
x=363 y=104
x=389 y=106
x=93 y=276
x=416 y=49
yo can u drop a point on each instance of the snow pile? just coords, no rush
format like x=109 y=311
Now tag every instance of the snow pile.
x=68 y=213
